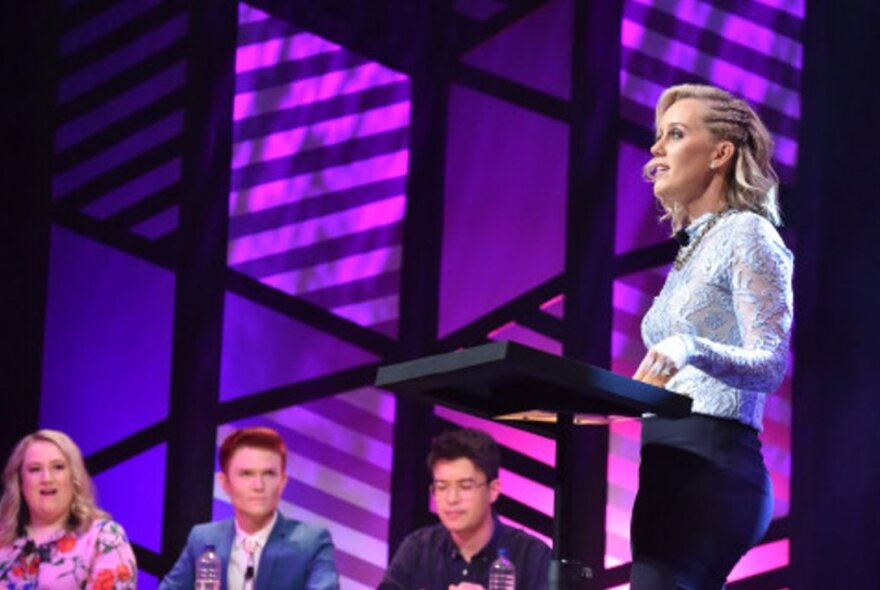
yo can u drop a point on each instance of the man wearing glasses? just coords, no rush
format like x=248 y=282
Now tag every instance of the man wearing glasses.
x=456 y=553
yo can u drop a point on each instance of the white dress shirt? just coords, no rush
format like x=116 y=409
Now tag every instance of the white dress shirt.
x=239 y=557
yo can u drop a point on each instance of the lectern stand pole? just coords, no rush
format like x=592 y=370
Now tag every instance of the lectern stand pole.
x=559 y=569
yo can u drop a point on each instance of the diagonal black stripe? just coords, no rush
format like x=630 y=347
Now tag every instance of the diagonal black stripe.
x=118 y=38
x=756 y=11
x=152 y=562
x=144 y=162
x=525 y=515
x=128 y=447
x=663 y=74
x=297 y=393
x=498 y=22
x=317 y=206
x=109 y=235
x=122 y=82
x=318 y=159
x=527 y=467
x=288 y=72
x=264 y=30
x=716 y=45
x=525 y=304
x=146 y=208
x=77 y=13
x=374 y=287
x=325 y=251
x=645 y=258
x=778 y=578
x=309 y=314
x=332 y=108
x=514 y=460
x=119 y=131
x=544 y=323
x=513 y=92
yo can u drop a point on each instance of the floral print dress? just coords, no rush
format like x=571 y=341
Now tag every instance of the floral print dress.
x=100 y=558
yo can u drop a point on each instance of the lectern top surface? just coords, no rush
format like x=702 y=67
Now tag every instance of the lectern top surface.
x=508 y=378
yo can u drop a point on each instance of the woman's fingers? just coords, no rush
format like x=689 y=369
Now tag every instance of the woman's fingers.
x=656 y=368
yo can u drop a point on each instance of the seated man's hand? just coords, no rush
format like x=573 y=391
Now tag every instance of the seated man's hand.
x=465 y=586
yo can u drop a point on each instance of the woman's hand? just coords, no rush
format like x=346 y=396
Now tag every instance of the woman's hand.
x=663 y=361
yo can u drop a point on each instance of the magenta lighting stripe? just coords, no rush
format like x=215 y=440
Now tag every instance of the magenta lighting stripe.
x=510 y=522
x=322 y=110
x=737 y=36
x=337 y=178
x=753 y=48
x=335 y=83
x=355 y=418
x=752 y=86
x=319 y=164
x=775 y=11
x=112 y=19
x=365 y=123
x=352 y=568
x=317 y=159
x=248 y=14
x=311 y=254
x=264 y=30
x=763 y=558
x=329 y=203
x=305 y=68
x=641 y=67
x=333 y=458
x=535 y=446
x=374 y=287
x=323 y=276
x=122 y=59
x=343 y=512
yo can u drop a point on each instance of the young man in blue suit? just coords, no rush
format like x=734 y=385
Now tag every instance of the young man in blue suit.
x=260 y=548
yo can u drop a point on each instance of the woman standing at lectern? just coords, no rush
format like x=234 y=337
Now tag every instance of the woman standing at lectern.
x=717 y=332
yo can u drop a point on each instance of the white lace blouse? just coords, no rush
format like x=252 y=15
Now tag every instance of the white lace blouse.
x=731 y=303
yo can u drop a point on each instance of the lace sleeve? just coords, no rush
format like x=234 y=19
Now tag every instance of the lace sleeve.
x=760 y=289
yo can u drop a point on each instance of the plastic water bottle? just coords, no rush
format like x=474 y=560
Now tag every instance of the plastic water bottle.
x=208 y=570
x=502 y=572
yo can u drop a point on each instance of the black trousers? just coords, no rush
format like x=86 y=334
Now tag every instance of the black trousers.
x=704 y=499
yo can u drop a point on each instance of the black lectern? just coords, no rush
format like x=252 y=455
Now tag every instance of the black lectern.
x=506 y=378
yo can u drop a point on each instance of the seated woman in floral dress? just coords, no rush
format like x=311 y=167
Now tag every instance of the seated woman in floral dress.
x=52 y=535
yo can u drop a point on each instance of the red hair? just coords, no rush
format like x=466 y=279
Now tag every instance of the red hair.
x=258 y=437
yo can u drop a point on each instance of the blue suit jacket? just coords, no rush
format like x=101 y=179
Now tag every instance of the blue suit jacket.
x=297 y=556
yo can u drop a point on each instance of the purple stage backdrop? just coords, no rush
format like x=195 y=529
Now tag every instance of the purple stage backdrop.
x=317 y=203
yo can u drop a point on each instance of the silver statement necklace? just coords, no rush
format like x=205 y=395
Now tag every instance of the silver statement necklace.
x=684 y=254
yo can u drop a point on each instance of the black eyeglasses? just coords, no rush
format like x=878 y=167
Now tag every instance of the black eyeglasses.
x=465 y=487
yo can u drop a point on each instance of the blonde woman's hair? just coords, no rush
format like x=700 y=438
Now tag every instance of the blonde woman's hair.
x=752 y=183
x=14 y=513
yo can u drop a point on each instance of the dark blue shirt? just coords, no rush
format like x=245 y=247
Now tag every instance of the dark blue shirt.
x=429 y=560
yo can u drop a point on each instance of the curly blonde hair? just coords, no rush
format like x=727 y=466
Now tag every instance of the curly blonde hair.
x=752 y=183
x=14 y=513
